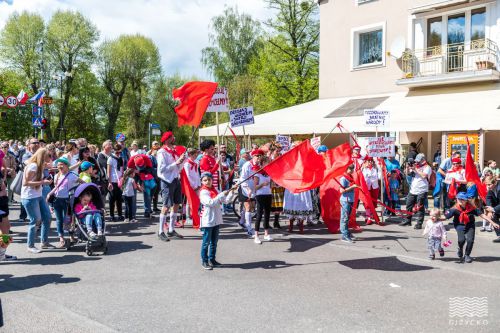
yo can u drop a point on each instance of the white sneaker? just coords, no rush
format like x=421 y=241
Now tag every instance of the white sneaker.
x=34 y=249
x=268 y=238
x=257 y=240
x=126 y=221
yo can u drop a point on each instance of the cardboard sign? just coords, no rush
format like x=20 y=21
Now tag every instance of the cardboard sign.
x=241 y=117
x=220 y=101
x=381 y=146
x=316 y=142
x=377 y=118
x=284 y=141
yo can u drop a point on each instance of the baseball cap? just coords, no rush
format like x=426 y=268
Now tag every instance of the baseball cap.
x=419 y=158
x=62 y=160
x=86 y=165
x=243 y=151
x=462 y=196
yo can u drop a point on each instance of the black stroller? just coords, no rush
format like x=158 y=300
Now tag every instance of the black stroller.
x=100 y=243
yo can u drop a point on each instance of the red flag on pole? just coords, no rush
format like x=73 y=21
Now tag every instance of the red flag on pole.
x=471 y=174
x=192 y=199
x=194 y=98
x=299 y=170
x=337 y=160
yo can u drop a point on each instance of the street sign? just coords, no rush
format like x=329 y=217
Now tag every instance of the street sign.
x=47 y=100
x=120 y=137
x=37 y=111
x=155 y=131
x=157 y=126
x=36 y=121
x=12 y=102
x=2 y=100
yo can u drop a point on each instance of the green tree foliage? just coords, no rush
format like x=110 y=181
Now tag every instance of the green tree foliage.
x=21 y=42
x=70 y=37
x=235 y=40
x=287 y=68
x=17 y=122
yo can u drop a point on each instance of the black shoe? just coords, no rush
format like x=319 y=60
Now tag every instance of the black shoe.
x=276 y=226
x=441 y=253
x=174 y=234
x=496 y=240
x=206 y=266
x=156 y=210
x=113 y=219
x=468 y=259
x=418 y=226
x=214 y=263
x=405 y=223
x=121 y=218
x=163 y=237
x=147 y=215
x=431 y=256
x=460 y=253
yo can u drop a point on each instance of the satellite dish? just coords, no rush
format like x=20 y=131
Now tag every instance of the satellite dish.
x=398 y=47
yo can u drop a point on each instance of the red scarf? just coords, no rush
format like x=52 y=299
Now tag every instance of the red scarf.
x=212 y=190
x=192 y=164
x=464 y=212
x=255 y=167
x=452 y=191
x=171 y=151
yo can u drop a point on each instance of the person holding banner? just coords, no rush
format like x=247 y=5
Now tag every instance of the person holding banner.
x=371 y=175
x=248 y=191
x=193 y=174
x=169 y=166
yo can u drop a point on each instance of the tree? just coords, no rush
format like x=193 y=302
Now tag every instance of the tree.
x=21 y=42
x=288 y=66
x=70 y=37
x=113 y=72
x=235 y=40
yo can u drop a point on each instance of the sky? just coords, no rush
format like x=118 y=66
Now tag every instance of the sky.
x=178 y=27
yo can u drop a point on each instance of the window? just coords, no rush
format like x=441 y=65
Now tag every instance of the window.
x=368 y=46
x=434 y=35
x=478 y=23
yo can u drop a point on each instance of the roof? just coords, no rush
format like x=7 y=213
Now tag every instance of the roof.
x=409 y=112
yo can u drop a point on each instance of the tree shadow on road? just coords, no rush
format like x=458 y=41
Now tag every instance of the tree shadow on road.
x=9 y=282
x=392 y=264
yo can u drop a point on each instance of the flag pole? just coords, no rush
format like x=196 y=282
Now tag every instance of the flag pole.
x=333 y=129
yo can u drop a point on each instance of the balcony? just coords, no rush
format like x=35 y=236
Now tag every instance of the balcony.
x=475 y=61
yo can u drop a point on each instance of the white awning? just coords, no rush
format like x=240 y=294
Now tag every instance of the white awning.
x=413 y=112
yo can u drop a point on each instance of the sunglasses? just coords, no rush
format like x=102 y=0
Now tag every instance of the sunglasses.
x=5 y=147
x=35 y=143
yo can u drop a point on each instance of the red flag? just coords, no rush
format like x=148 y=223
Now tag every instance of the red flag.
x=337 y=160
x=298 y=170
x=471 y=174
x=194 y=98
x=387 y=185
x=364 y=193
x=192 y=198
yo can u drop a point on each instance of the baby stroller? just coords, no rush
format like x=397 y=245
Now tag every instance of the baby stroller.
x=99 y=244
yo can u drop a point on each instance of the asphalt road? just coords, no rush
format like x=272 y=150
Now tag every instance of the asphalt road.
x=297 y=283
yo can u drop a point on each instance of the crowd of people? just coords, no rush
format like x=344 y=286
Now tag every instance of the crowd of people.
x=45 y=174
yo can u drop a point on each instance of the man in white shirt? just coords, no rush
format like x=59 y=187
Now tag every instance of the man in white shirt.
x=169 y=166
x=247 y=192
x=419 y=188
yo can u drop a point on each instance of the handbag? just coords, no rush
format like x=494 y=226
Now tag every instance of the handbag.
x=52 y=196
x=17 y=183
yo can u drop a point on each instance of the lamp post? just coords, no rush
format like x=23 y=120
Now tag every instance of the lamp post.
x=59 y=78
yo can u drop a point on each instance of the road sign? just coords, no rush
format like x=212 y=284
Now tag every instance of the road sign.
x=37 y=111
x=47 y=100
x=36 y=121
x=120 y=137
x=11 y=101
x=157 y=126
x=2 y=100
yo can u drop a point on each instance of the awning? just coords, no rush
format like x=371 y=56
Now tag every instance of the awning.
x=428 y=110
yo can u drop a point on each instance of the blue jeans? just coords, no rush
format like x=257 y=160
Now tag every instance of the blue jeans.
x=37 y=210
x=96 y=218
x=130 y=206
x=345 y=213
x=147 y=201
x=209 y=244
x=60 y=210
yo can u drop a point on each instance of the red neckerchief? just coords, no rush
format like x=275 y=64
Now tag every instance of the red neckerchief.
x=255 y=167
x=369 y=166
x=171 y=151
x=464 y=212
x=192 y=164
x=212 y=190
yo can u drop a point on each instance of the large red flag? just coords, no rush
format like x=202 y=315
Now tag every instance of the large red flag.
x=471 y=174
x=364 y=194
x=194 y=98
x=337 y=160
x=298 y=170
x=192 y=199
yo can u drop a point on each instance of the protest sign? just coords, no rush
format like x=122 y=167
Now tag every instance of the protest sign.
x=381 y=146
x=377 y=118
x=220 y=101
x=316 y=142
x=241 y=117
x=284 y=141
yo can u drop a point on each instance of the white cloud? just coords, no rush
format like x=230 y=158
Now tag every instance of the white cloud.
x=178 y=27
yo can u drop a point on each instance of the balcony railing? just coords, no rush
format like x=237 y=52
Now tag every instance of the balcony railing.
x=477 y=55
